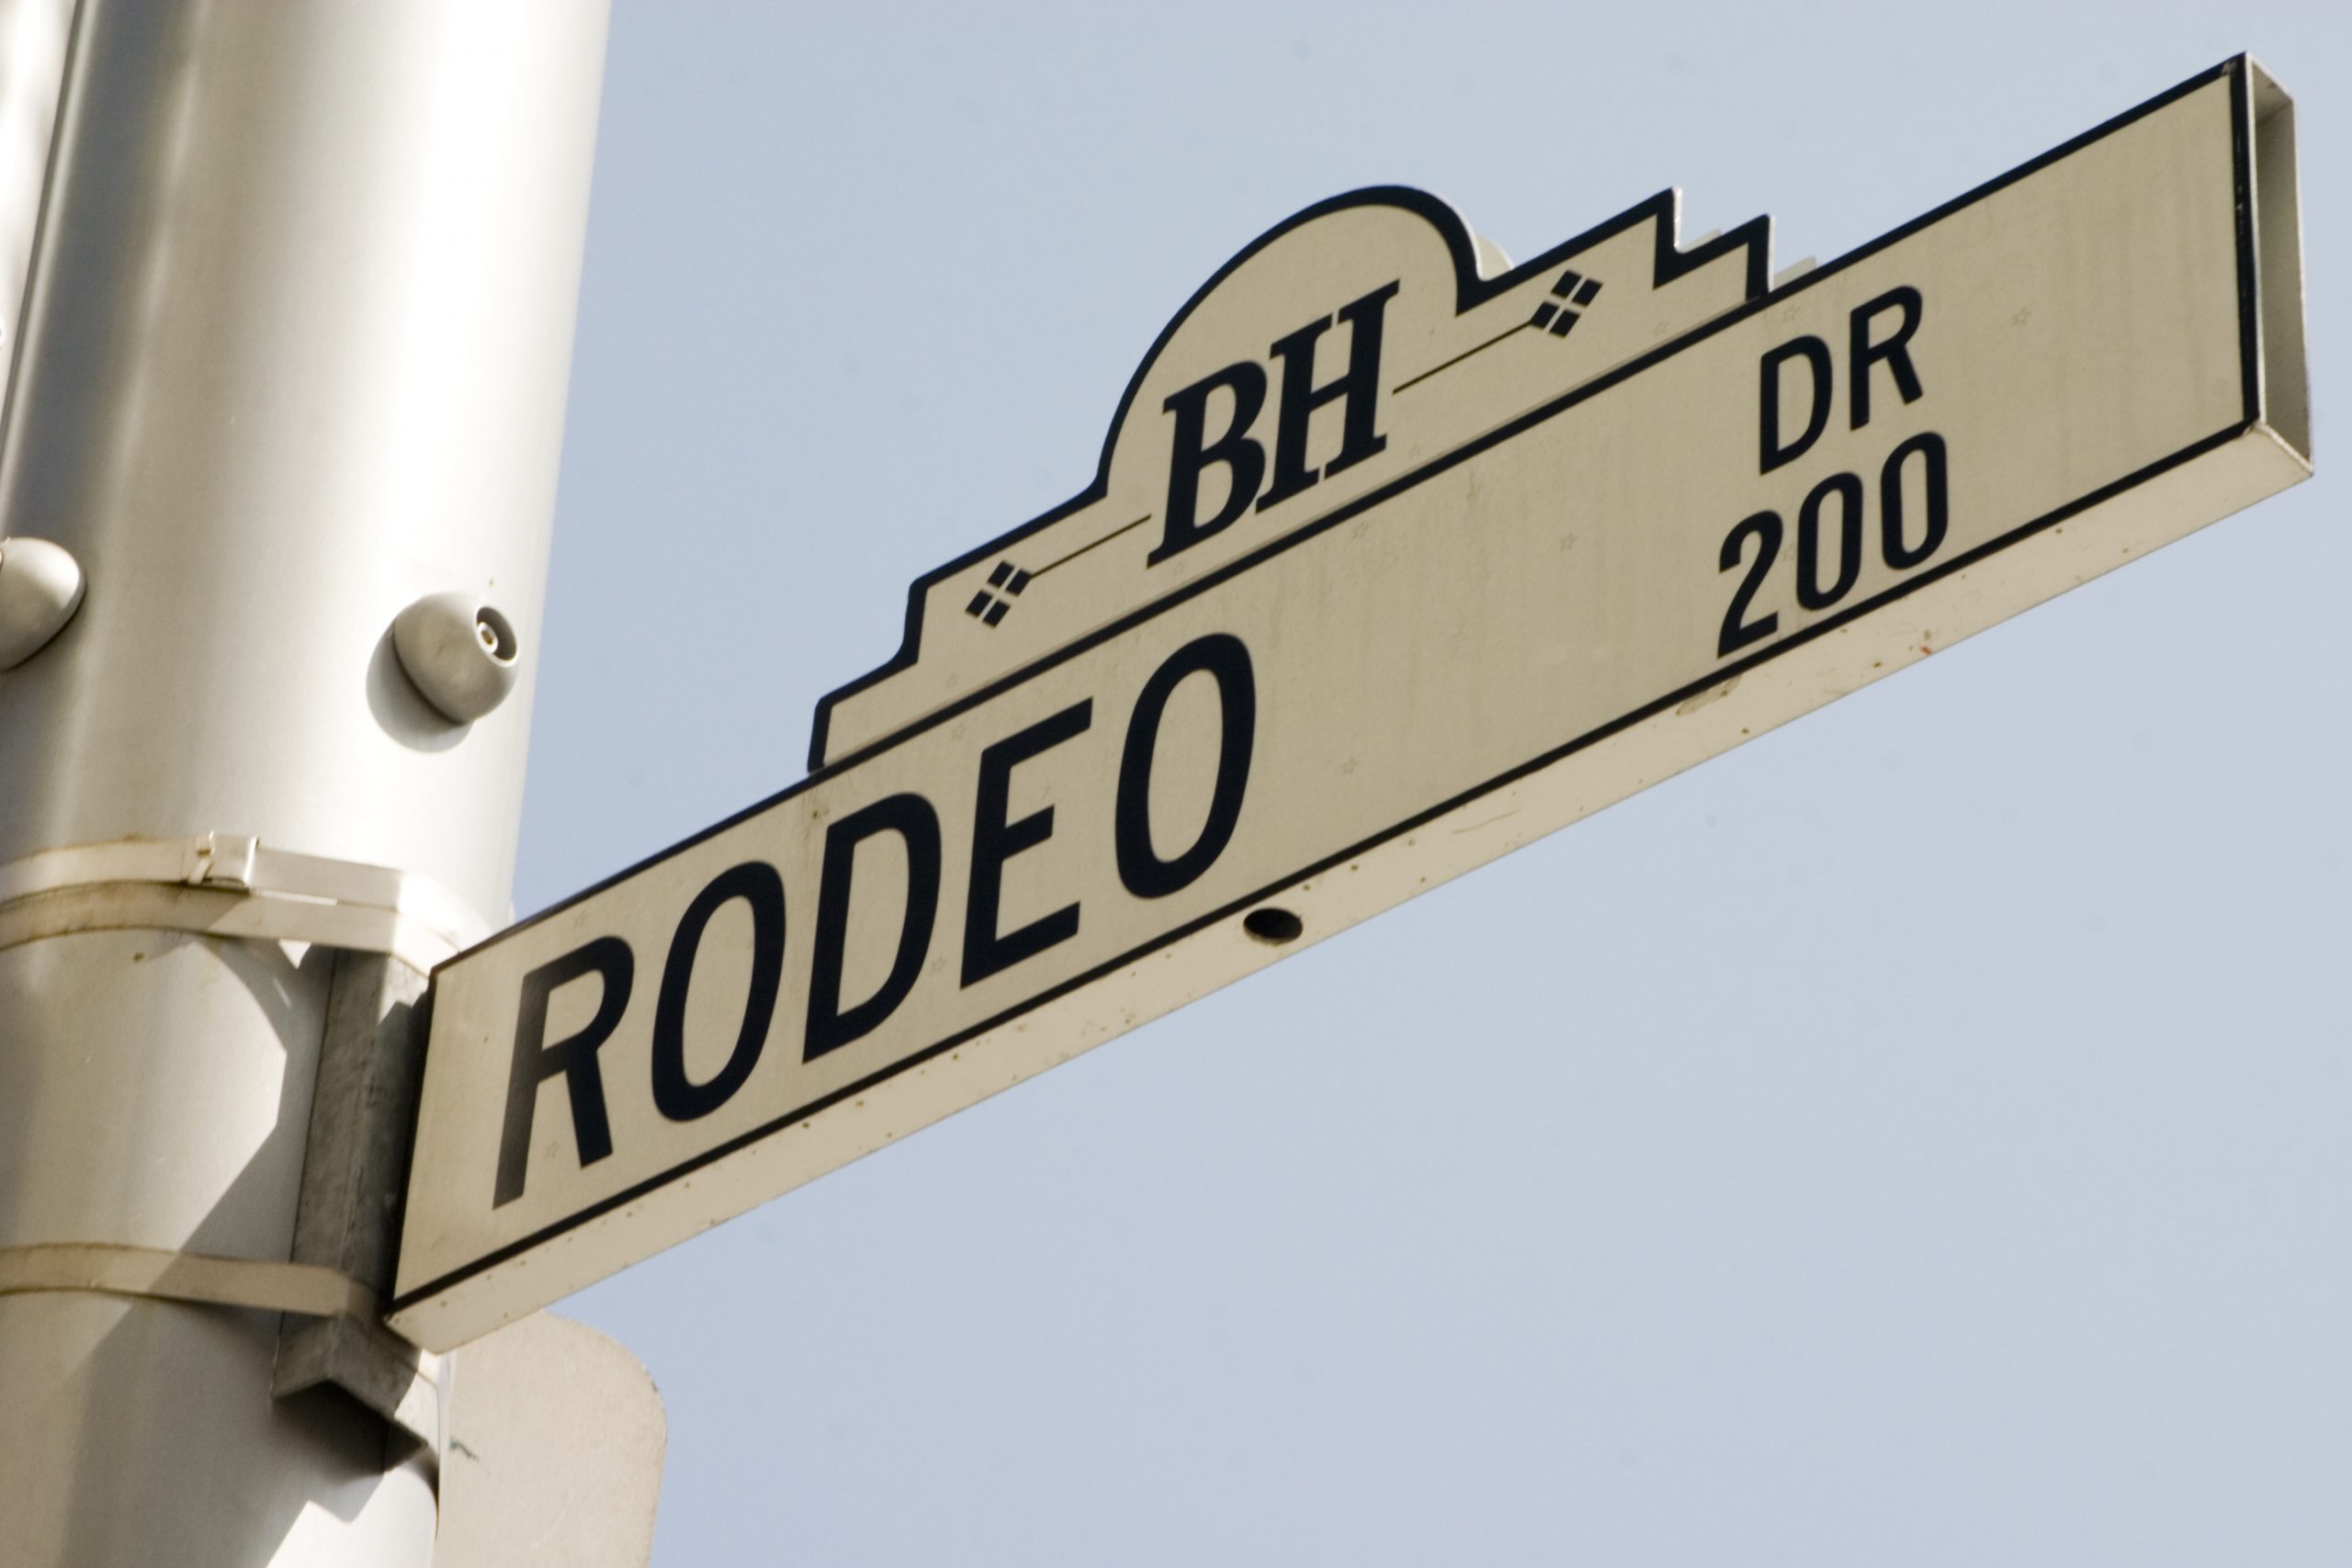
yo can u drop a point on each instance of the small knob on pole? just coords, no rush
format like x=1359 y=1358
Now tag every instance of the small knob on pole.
x=40 y=587
x=459 y=652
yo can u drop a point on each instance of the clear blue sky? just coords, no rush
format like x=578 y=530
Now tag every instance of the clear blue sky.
x=1922 y=1137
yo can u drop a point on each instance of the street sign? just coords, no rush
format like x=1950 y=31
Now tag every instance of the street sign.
x=1396 y=559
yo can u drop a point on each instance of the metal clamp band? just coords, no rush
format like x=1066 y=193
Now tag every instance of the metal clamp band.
x=229 y=886
x=116 y=1270
x=352 y=1350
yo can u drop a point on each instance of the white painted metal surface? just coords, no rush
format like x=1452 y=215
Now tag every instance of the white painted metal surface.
x=296 y=353
x=1386 y=572
x=556 y=1442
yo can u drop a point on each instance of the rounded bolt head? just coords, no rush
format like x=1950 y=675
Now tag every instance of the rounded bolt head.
x=459 y=652
x=40 y=587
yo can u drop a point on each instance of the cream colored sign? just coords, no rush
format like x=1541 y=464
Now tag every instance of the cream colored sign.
x=1387 y=571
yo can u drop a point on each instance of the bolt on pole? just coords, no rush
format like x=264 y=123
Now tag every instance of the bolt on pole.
x=296 y=337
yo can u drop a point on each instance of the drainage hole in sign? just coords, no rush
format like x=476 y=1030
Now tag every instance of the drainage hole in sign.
x=1272 y=926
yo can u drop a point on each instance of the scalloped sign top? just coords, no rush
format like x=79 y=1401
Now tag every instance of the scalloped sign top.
x=1341 y=348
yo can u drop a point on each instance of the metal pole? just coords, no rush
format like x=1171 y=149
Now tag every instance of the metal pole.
x=296 y=343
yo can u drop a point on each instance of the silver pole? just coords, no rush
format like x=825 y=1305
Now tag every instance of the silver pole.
x=296 y=338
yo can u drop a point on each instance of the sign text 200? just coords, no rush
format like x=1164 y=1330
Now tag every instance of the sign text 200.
x=1831 y=532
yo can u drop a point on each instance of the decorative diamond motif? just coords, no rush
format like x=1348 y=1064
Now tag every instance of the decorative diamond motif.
x=1007 y=579
x=1573 y=289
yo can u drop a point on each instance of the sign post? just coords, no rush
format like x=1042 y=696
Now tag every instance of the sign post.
x=1396 y=561
x=295 y=346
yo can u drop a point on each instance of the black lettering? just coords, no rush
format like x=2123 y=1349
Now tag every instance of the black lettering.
x=1244 y=459
x=1848 y=491
x=535 y=1060
x=996 y=840
x=831 y=1026
x=676 y=1096
x=1359 y=389
x=1930 y=446
x=1225 y=660
x=1739 y=631
x=1815 y=353
x=1863 y=353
